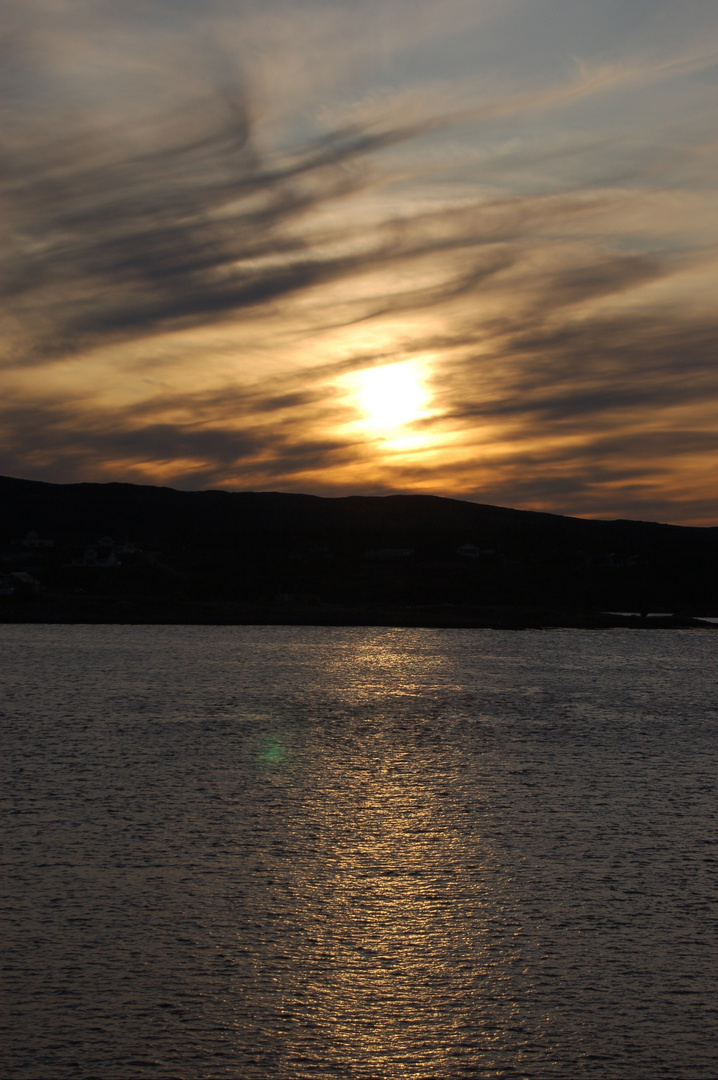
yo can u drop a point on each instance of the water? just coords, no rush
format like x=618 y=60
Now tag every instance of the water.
x=318 y=852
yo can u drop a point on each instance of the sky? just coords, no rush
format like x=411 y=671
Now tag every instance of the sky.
x=465 y=248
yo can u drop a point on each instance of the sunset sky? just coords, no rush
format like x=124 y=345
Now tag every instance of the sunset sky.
x=464 y=248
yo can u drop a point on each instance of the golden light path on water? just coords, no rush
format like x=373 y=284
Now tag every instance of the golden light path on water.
x=396 y=946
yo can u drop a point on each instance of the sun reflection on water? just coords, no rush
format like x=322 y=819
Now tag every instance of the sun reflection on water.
x=392 y=902
x=390 y=932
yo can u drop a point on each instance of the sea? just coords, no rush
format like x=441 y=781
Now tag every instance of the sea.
x=298 y=852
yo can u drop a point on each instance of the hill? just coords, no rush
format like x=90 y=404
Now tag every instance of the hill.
x=125 y=552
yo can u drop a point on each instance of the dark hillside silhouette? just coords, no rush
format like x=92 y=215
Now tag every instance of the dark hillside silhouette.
x=115 y=552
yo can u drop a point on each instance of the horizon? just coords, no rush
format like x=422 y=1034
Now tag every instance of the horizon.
x=352 y=495
x=463 y=250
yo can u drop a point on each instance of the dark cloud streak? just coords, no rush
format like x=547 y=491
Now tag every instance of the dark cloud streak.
x=107 y=244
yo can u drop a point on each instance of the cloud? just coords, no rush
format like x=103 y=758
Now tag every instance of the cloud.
x=111 y=244
x=187 y=287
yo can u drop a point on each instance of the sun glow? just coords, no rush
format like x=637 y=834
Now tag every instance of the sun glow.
x=391 y=397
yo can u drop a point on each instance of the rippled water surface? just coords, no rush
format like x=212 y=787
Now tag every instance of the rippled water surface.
x=300 y=852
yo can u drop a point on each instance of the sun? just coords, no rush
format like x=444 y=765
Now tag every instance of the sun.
x=391 y=397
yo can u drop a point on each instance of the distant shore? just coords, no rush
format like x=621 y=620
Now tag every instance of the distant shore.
x=110 y=611
x=123 y=553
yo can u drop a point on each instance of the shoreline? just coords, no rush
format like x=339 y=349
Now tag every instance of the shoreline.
x=142 y=612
